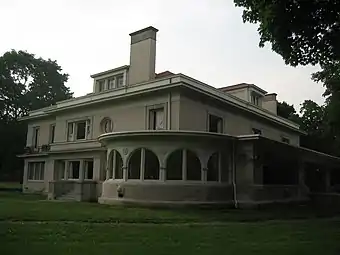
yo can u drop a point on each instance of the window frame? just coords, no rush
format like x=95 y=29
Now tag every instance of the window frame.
x=35 y=137
x=72 y=125
x=222 y=123
x=148 y=115
x=52 y=133
x=37 y=172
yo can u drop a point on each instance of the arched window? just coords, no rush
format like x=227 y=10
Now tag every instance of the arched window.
x=117 y=165
x=193 y=167
x=213 y=167
x=183 y=160
x=143 y=161
x=174 y=166
x=151 y=168
x=134 y=165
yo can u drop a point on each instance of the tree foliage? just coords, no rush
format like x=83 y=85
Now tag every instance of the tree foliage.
x=302 y=32
x=26 y=83
x=306 y=33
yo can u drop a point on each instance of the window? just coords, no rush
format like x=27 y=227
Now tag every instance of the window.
x=36 y=171
x=106 y=125
x=156 y=119
x=285 y=140
x=52 y=132
x=111 y=83
x=36 y=131
x=73 y=169
x=257 y=131
x=255 y=99
x=101 y=85
x=215 y=124
x=88 y=164
x=120 y=81
x=79 y=130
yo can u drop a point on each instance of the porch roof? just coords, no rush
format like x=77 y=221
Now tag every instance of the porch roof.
x=305 y=154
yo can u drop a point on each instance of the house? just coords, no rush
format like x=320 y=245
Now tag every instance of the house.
x=167 y=138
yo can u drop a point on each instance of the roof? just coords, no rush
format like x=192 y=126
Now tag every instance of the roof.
x=110 y=71
x=144 y=29
x=171 y=81
x=308 y=155
x=241 y=86
x=163 y=74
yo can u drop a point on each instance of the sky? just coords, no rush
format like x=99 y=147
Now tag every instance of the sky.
x=204 y=39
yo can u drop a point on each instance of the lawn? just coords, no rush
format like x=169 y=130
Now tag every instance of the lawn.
x=30 y=225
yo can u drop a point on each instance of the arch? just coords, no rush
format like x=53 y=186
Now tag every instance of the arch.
x=174 y=165
x=115 y=165
x=134 y=163
x=183 y=160
x=151 y=166
x=213 y=167
x=193 y=166
x=143 y=162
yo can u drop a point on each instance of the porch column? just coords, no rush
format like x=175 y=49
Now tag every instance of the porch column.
x=327 y=180
x=162 y=173
x=81 y=170
x=125 y=173
x=114 y=164
x=184 y=165
x=25 y=177
x=301 y=179
x=220 y=165
x=142 y=163
x=66 y=170
x=204 y=174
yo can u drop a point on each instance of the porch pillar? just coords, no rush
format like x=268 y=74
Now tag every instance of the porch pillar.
x=81 y=170
x=184 y=165
x=24 y=181
x=114 y=164
x=327 y=180
x=142 y=163
x=162 y=173
x=66 y=170
x=125 y=173
x=301 y=179
x=204 y=174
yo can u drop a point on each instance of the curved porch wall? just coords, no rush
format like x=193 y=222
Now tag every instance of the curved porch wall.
x=166 y=192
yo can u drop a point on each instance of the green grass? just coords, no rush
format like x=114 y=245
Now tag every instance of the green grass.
x=31 y=225
x=10 y=185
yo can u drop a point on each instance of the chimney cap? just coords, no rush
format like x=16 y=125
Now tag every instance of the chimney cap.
x=151 y=28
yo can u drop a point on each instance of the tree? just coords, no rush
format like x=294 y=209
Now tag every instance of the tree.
x=304 y=33
x=26 y=83
x=287 y=111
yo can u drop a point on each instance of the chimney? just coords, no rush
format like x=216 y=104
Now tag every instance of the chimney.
x=142 y=55
x=269 y=103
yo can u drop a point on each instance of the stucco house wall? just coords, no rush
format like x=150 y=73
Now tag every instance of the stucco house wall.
x=194 y=116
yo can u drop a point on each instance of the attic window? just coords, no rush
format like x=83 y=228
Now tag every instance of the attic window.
x=255 y=99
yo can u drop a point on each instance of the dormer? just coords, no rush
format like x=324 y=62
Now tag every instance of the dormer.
x=254 y=95
x=110 y=79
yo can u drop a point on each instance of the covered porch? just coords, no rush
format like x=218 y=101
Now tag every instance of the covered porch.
x=283 y=172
